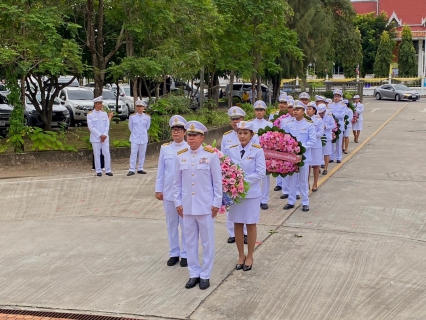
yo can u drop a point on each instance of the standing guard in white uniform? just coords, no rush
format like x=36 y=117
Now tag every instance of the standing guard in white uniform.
x=338 y=109
x=230 y=138
x=260 y=123
x=198 y=197
x=98 y=123
x=304 y=131
x=357 y=126
x=164 y=190
x=139 y=123
x=348 y=130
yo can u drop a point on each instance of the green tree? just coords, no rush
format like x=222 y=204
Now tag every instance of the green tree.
x=371 y=28
x=38 y=47
x=407 y=64
x=384 y=55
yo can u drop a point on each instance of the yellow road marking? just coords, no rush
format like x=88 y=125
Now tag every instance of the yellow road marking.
x=357 y=149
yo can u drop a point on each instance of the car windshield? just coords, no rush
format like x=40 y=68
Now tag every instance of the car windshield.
x=401 y=87
x=127 y=91
x=80 y=95
x=108 y=95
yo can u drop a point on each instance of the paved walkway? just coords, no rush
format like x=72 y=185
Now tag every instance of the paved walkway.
x=99 y=245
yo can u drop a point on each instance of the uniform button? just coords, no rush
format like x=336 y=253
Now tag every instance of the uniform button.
x=193 y=193
x=192 y=164
x=192 y=174
x=193 y=183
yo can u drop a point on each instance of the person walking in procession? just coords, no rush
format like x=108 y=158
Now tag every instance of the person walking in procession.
x=338 y=109
x=304 y=131
x=164 y=190
x=198 y=196
x=329 y=125
x=348 y=129
x=98 y=124
x=357 y=126
x=139 y=124
x=260 y=123
x=251 y=159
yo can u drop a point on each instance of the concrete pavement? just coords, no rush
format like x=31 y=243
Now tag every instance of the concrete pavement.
x=99 y=245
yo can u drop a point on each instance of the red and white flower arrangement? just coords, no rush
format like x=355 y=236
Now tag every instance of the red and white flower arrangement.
x=283 y=153
x=234 y=186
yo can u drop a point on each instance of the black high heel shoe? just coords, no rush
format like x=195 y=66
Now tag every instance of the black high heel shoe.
x=241 y=266
x=248 y=268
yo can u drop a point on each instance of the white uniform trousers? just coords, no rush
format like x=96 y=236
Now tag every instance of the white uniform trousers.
x=299 y=183
x=266 y=181
x=230 y=226
x=97 y=147
x=173 y=221
x=195 y=227
x=285 y=184
x=336 y=149
x=137 y=150
x=279 y=181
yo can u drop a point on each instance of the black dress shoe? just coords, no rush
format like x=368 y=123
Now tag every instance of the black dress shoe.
x=183 y=262
x=288 y=206
x=322 y=166
x=130 y=173
x=192 y=282
x=264 y=206
x=284 y=196
x=305 y=208
x=331 y=161
x=324 y=172
x=338 y=161
x=247 y=268
x=172 y=261
x=204 y=284
x=109 y=174
x=277 y=188
x=245 y=239
x=231 y=240
x=297 y=197
x=141 y=172
x=99 y=174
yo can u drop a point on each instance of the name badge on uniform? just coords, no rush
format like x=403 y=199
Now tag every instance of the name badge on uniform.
x=250 y=158
x=183 y=160
x=204 y=160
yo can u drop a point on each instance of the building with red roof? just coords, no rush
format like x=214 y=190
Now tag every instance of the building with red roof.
x=408 y=12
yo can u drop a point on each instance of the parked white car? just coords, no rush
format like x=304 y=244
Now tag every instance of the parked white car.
x=79 y=103
x=125 y=96
x=110 y=100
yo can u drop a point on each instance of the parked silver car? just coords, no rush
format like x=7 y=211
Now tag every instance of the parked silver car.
x=60 y=114
x=109 y=101
x=125 y=96
x=79 y=102
x=396 y=92
x=239 y=88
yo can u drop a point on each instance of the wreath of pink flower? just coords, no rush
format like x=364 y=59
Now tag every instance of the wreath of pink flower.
x=286 y=153
x=278 y=121
x=233 y=183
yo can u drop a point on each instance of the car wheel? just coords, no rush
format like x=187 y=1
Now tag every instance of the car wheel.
x=378 y=96
x=397 y=97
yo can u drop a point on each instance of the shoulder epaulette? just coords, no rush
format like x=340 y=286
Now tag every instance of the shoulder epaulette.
x=208 y=149
x=133 y=114
x=90 y=112
x=256 y=146
x=167 y=143
x=147 y=114
x=235 y=145
x=310 y=121
x=227 y=132
x=182 y=151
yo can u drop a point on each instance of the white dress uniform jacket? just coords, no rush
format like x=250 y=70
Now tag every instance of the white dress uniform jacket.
x=230 y=138
x=329 y=125
x=138 y=126
x=319 y=129
x=98 y=124
x=339 y=110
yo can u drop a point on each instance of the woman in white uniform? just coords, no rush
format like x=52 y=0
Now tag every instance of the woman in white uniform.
x=251 y=159
x=316 y=150
x=357 y=126
x=348 y=129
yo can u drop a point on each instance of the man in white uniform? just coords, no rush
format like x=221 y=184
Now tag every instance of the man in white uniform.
x=139 y=123
x=260 y=123
x=98 y=123
x=164 y=190
x=198 y=196
x=304 y=131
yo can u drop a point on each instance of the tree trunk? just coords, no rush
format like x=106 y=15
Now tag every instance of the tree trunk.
x=201 y=94
x=259 y=87
x=231 y=87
